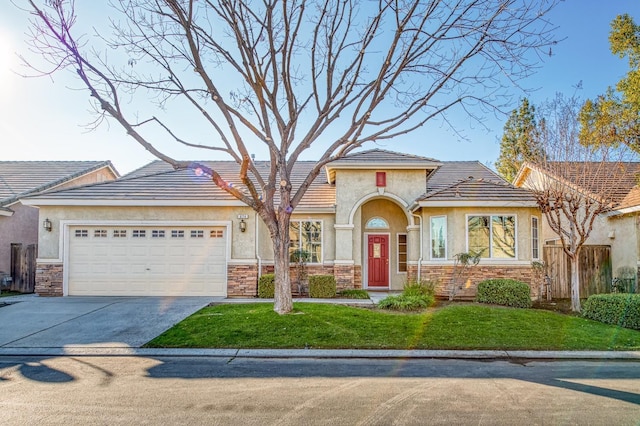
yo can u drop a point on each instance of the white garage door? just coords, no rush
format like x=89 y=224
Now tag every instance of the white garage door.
x=147 y=261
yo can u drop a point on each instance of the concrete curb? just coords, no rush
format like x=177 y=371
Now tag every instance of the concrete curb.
x=324 y=353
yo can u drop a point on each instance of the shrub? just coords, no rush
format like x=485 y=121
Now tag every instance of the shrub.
x=505 y=292
x=422 y=288
x=266 y=286
x=354 y=293
x=404 y=302
x=622 y=309
x=322 y=286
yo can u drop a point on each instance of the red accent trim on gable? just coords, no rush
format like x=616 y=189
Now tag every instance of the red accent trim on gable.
x=381 y=179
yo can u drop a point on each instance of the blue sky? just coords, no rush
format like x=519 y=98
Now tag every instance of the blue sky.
x=42 y=119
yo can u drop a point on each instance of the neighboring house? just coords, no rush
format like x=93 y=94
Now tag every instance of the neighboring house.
x=19 y=224
x=374 y=219
x=618 y=228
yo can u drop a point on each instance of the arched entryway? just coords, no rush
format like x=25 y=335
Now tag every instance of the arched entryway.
x=385 y=243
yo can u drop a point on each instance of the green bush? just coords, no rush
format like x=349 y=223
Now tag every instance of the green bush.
x=404 y=302
x=422 y=288
x=622 y=309
x=505 y=292
x=322 y=286
x=352 y=293
x=266 y=286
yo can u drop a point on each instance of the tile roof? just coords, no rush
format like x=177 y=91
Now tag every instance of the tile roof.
x=158 y=181
x=618 y=180
x=382 y=156
x=20 y=178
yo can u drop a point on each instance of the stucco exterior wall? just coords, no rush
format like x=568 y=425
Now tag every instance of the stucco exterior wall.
x=242 y=247
x=354 y=185
x=457 y=231
x=21 y=228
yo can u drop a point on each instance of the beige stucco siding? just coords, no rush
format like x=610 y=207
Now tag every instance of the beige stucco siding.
x=242 y=246
x=354 y=185
x=328 y=236
x=457 y=226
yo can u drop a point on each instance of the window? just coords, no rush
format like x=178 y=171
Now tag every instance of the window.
x=492 y=236
x=119 y=233
x=177 y=233
x=218 y=233
x=402 y=252
x=535 y=241
x=81 y=233
x=306 y=237
x=439 y=237
x=157 y=233
x=139 y=233
x=100 y=233
x=377 y=223
x=197 y=234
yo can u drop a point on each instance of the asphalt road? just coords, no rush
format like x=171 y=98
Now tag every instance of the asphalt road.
x=219 y=390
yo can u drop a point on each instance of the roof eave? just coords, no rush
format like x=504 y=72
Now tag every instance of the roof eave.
x=476 y=203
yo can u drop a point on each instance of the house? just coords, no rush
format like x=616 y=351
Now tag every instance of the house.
x=617 y=228
x=19 y=223
x=374 y=219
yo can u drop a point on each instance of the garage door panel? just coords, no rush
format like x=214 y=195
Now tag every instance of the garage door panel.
x=143 y=263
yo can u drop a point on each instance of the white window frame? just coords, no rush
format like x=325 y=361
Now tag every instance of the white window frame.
x=446 y=237
x=386 y=222
x=535 y=243
x=406 y=252
x=321 y=236
x=491 y=215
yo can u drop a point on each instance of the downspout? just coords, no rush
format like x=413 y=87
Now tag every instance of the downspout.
x=421 y=241
x=257 y=243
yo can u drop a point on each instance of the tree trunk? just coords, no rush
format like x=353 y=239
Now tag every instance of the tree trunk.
x=575 y=284
x=283 y=303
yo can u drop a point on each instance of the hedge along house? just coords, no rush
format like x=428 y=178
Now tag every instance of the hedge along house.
x=375 y=219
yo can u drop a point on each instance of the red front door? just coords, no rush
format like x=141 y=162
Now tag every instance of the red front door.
x=378 y=263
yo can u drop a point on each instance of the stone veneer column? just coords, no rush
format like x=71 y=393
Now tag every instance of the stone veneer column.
x=242 y=280
x=49 y=278
x=343 y=269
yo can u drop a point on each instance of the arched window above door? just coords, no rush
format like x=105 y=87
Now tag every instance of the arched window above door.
x=377 y=223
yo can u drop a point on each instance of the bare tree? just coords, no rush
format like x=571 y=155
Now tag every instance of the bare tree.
x=572 y=183
x=334 y=73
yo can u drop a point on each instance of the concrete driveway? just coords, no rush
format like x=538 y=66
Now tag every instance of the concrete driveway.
x=39 y=322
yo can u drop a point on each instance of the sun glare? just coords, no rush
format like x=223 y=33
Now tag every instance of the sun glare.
x=7 y=59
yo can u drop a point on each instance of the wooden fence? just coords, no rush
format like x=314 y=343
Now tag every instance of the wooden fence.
x=23 y=267
x=595 y=271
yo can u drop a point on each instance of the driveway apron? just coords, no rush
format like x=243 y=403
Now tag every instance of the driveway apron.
x=38 y=322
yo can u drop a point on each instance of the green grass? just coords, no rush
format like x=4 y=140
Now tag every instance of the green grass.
x=7 y=293
x=457 y=326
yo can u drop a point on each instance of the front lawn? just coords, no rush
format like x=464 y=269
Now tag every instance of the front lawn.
x=456 y=326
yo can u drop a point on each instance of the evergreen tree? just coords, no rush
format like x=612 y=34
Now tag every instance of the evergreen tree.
x=519 y=141
x=614 y=117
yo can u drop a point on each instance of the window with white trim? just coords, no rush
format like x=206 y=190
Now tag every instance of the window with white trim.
x=492 y=236
x=216 y=233
x=438 y=237
x=119 y=233
x=197 y=233
x=535 y=239
x=402 y=252
x=100 y=233
x=377 y=223
x=81 y=233
x=306 y=237
x=157 y=233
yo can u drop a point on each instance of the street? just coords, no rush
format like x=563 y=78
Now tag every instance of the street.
x=220 y=390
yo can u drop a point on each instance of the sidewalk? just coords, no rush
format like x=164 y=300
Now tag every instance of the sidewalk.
x=110 y=349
